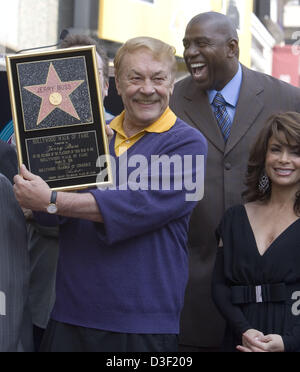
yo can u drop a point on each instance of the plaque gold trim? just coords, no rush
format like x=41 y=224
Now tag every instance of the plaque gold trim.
x=56 y=95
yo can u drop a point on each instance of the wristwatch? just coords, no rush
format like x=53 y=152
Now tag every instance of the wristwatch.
x=52 y=207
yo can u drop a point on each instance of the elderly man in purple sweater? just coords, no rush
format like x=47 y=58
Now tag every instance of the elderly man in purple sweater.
x=123 y=263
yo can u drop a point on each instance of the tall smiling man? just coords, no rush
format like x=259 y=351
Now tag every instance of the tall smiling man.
x=229 y=104
x=123 y=263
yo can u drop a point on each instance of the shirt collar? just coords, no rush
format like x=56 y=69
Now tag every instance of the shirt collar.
x=231 y=91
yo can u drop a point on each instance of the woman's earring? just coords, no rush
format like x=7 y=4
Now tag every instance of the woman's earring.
x=264 y=183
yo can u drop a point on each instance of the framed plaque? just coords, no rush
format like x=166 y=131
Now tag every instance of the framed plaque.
x=58 y=117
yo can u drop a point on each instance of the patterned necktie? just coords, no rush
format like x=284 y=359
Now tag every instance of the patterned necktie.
x=222 y=116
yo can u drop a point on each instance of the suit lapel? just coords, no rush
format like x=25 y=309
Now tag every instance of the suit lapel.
x=198 y=110
x=250 y=104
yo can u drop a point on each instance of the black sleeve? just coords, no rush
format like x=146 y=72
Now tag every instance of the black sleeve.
x=291 y=339
x=221 y=294
x=14 y=272
x=8 y=161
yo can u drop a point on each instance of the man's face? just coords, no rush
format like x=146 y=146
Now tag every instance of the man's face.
x=206 y=55
x=145 y=85
x=103 y=83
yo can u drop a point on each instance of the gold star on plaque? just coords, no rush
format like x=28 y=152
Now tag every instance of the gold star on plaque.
x=55 y=94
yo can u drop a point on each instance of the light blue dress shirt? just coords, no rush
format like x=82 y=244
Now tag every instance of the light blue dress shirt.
x=230 y=92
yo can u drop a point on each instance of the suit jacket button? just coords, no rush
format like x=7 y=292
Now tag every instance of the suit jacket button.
x=227 y=166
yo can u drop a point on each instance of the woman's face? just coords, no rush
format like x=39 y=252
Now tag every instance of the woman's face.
x=283 y=162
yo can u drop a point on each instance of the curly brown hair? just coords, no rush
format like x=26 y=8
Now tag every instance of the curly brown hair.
x=287 y=123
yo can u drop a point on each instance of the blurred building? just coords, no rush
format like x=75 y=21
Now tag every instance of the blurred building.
x=268 y=29
x=281 y=19
x=32 y=23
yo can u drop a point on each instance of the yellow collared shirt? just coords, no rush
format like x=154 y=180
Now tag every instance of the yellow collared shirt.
x=123 y=143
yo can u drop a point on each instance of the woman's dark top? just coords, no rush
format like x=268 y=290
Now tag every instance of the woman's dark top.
x=253 y=290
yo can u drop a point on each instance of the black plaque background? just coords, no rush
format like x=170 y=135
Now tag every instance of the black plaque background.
x=95 y=102
x=76 y=162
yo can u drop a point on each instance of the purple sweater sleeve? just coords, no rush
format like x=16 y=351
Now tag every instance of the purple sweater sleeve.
x=46 y=219
x=130 y=213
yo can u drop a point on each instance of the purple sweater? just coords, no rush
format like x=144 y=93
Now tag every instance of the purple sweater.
x=129 y=273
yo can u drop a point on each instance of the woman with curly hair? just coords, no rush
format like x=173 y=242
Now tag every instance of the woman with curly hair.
x=256 y=281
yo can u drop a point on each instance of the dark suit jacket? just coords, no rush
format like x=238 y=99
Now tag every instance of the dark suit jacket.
x=260 y=96
x=8 y=161
x=15 y=318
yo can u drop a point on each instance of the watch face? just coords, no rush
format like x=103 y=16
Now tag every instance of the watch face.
x=52 y=208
